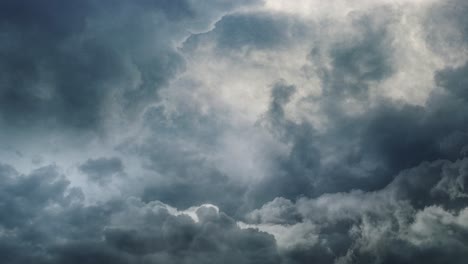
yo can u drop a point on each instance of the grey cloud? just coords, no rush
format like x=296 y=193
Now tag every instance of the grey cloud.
x=43 y=221
x=280 y=95
x=65 y=69
x=365 y=158
x=184 y=166
x=455 y=80
x=387 y=226
x=252 y=31
x=81 y=65
x=384 y=185
x=397 y=187
x=293 y=176
x=446 y=28
x=366 y=57
x=279 y=211
x=215 y=238
x=25 y=196
x=440 y=182
x=360 y=58
x=369 y=149
x=102 y=169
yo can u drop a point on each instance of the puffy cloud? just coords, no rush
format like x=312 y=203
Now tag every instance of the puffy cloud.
x=44 y=221
x=413 y=218
x=237 y=132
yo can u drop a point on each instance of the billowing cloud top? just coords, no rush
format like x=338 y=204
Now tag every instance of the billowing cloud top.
x=217 y=131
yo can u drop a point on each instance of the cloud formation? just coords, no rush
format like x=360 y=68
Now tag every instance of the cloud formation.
x=215 y=131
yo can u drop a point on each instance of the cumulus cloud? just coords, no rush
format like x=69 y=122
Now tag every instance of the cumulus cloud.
x=45 y=222
x=415 y=218
x=234 y=131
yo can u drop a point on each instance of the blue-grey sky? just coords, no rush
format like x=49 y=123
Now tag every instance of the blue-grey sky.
x=219 y=131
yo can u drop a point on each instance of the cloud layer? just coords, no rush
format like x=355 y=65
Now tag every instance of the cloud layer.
x=234 y=132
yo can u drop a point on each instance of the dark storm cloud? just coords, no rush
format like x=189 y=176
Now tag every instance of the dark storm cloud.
x=385 y=185
x=25 y=196
x=63 y=63
x=362 y=58
x=363 y=151
x=369 y=149
x=102 y=169
x=43 y=221
x=404 y=223
x=438 y=183
x=417 y=152
x=216 y=238
x=72 y=64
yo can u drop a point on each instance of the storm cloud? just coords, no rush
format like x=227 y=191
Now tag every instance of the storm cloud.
x=218 y=131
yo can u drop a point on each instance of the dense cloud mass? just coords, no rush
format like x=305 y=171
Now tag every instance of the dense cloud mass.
x=219 y=131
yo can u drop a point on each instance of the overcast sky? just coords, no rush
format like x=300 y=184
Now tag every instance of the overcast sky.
x=222 y=131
